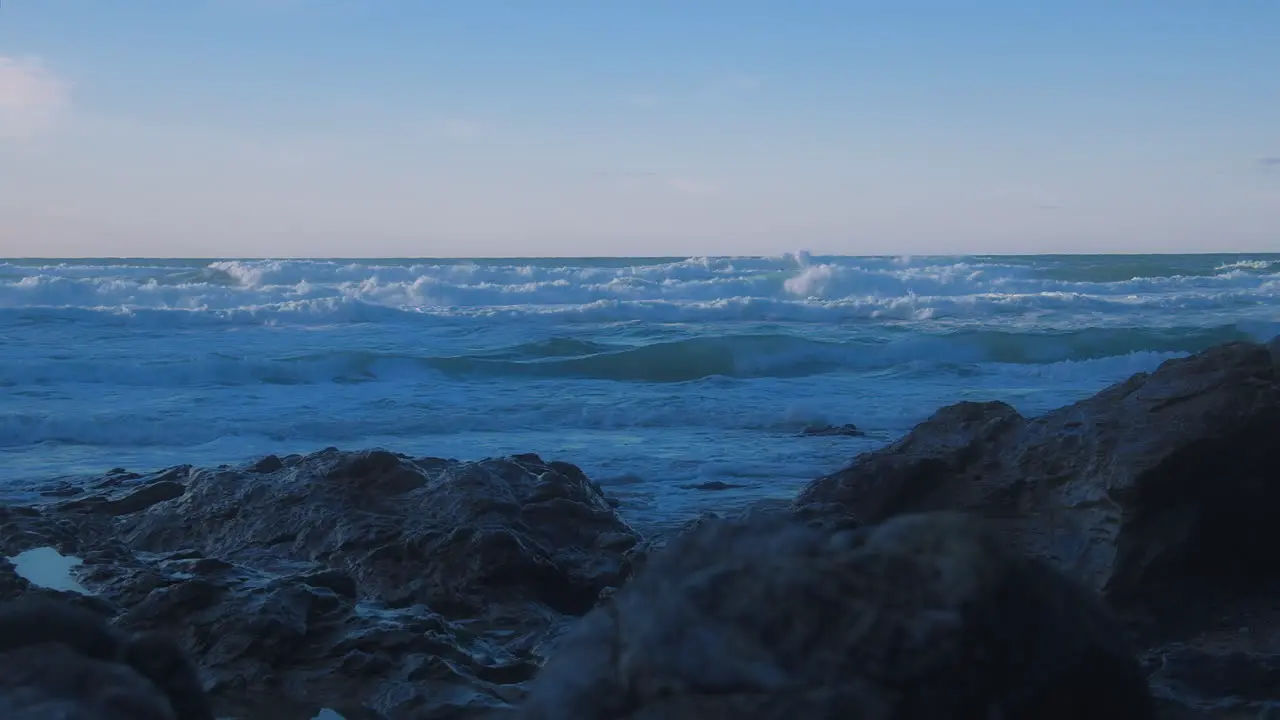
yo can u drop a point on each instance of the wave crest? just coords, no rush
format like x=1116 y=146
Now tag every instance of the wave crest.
x=681 y=360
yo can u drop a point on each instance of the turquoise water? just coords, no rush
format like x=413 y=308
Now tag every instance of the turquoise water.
x=654 y=374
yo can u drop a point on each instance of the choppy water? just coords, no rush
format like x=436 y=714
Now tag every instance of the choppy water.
x=652 y=374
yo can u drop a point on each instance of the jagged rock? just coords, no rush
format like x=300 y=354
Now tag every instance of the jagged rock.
x=1159 y=488
x=925 y=616
x=1160 y=492
x=154 y=492
x=268 y=464
x=711 y=485
x=846 y=430
x=458 y=537
x=367 y=582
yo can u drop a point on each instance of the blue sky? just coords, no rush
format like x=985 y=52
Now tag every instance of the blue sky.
x=549 y=127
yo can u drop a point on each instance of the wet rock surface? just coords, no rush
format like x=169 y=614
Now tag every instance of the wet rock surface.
x=846 y=430
x=1160 y=493
x=370 y=583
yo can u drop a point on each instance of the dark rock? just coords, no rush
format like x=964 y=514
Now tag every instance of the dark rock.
x=174 y=474
x=461 y=538
x=144 y=497
x=711 y=485
x=1159 y=488
x=1160 y=492
x=268 y=464
x=336 y=580
x=925 y=616
x=924 y=470
x=62 y=490
x=52 y=681
x=367 y=582
x=59 y=661
x=846 y=430
x=124 y=494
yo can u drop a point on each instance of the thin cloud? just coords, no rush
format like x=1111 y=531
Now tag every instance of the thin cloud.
x=31 y=96
x=26 y=84
x=1271 y=163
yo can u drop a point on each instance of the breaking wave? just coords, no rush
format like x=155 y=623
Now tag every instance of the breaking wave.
x=793 y=288
x=689 y=359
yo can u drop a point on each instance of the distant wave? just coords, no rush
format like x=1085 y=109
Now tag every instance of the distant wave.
x=1045 y=310
x=1048 y=309
x=790 y=289
x=391 y=415
x=780 y=356
x=729 y=356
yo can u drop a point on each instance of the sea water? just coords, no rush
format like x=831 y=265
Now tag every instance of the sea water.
x=660 y=377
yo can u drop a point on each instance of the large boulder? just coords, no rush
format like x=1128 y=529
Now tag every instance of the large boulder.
x=370 y=583
x=59 y=661
x=1159 y=492
x=458 y=537
x=922 y=617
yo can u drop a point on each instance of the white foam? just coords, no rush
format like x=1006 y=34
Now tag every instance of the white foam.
x=47 y=568
x=794 y=288
x=1249 y=265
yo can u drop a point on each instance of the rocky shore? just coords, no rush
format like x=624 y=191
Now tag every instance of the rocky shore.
x=1122 y=543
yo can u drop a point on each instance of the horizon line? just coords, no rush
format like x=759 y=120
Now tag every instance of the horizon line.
x=215 y=258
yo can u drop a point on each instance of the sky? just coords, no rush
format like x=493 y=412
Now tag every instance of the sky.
x=436 y=128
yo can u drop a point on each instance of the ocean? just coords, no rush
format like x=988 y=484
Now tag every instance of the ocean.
x=661 y=377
